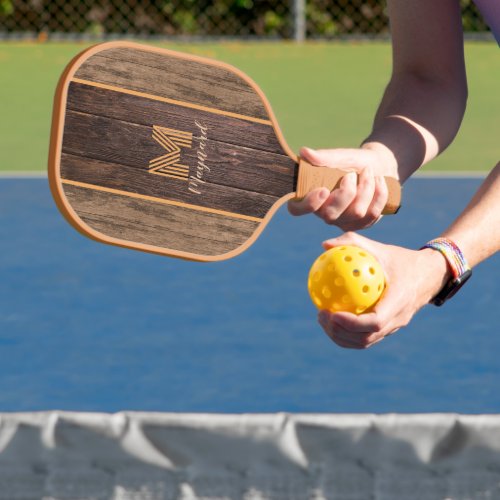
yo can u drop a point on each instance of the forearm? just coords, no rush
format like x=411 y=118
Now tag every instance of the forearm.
x=477 y=230
x=424 y=103
x=416 y=121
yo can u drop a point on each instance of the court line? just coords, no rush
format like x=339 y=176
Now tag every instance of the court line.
x=28 y=174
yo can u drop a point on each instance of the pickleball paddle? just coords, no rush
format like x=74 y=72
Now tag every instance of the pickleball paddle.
x=171 y=153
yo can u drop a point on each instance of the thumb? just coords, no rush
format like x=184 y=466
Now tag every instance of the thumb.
x=313 y=156
x=352 y=159
x=349 y=238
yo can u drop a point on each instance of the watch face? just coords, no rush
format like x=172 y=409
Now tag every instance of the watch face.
x=451 y=288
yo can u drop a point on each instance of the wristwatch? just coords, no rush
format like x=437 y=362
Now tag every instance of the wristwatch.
x=460 y=270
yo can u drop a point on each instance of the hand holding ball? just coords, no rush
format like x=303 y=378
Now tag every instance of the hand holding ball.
x=346 y=278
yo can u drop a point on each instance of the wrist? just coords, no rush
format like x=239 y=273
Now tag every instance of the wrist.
x=437 y=272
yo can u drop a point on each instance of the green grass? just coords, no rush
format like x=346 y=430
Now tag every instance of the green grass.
x=324 y=95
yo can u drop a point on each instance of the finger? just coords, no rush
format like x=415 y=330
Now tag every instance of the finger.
x=324 y=318
x=344 y=344
x=362 y=324
x=368 y=205
x=361 y=340
x=379 y=200
x=348 y=238
x=358 y=341
x=357 y=224
x=353 y=159
x=340 y=199
x=346 y=338
x=315 y=157
x=381 y=193
x=358 y=209
x=373 y=339
x=371 y=343
x=373 y=325
x=340 y=335
x=374 y=211
x=342 y=340
x=311 y=203
x=356 y=215
x=353 y=341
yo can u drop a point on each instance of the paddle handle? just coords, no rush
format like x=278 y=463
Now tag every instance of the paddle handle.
x=311 y=177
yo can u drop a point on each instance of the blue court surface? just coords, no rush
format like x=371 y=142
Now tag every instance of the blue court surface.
x=90 y=327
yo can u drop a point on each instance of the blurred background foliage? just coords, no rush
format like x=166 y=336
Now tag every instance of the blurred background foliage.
x=205 y=18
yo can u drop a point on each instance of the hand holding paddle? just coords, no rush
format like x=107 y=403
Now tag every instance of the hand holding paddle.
x=361 y=197
x=173 y=154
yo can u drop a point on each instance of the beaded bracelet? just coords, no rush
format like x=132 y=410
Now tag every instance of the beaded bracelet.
x=459 y=267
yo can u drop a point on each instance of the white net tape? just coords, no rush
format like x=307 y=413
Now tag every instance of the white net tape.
x=154 y=456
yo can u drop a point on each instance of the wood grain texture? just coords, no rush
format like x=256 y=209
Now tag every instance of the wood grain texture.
x=127 y=179
x=100 y=102
x=175 y=78
x=108 y=141
x=166 y=152
x=124 y=218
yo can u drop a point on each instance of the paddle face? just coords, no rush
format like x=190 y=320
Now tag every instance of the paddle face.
x=166 y=152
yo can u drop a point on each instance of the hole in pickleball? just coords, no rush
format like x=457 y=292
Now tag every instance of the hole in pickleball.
x=356 y=273
x=379 y=287
x=360 y=309
x=348 y=258
x=336 y=306
x=317 y=276
x=372 y=270
x=346 y=299
x=339 y=281
x=330 y=268
x=327 y=293
x=366 y=289
x=362 y=254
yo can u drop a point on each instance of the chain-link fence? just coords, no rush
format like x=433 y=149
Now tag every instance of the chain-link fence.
x=206 y=18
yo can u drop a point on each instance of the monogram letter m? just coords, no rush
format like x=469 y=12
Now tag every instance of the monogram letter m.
x=172 y=141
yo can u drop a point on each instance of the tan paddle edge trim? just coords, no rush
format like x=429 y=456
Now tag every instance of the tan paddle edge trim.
x=311 y=177
x=56 y=136
x=91 y=233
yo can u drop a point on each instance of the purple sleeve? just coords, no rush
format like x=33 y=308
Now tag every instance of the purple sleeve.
x=490 y=9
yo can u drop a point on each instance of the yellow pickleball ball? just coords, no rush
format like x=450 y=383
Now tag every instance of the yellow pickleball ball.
x=346 y=278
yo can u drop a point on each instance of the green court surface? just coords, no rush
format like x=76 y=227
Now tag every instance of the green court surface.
x=324 y=95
